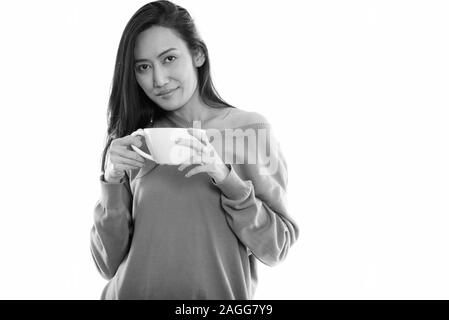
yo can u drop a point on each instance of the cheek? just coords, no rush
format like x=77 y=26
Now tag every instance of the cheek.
x=188 y=76
x=144 y=83
x=184 y=71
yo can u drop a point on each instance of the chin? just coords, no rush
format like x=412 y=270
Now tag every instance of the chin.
x=170 y=107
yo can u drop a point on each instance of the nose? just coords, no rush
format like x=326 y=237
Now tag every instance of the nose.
x=159 y=77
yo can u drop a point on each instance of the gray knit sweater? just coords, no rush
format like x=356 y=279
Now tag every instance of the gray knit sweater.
x=160 y=235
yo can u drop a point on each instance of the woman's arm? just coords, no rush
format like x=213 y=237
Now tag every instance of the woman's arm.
x=112 y=230
x=256 y=209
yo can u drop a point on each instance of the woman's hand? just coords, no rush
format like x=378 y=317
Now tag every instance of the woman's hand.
x=121 y=157
x=206 y=155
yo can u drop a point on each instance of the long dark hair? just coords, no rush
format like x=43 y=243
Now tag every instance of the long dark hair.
x=129 y=108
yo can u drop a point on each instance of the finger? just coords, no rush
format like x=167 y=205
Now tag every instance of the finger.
x=195 y=170
x=130 y=162
x=207 y=149
x=130 y=140
x=132 y=155
x=183 y=166
x=192 y=160
x=200 y=135
x=195 y=159
x=119 y=167
x=192 y=143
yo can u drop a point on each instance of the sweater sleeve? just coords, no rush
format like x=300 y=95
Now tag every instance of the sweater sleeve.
x=254 y=203
x=112 y=229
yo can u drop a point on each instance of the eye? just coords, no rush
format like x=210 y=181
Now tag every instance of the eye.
x=143 y=67
x=170 y=60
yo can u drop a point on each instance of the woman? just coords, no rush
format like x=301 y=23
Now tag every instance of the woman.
x=161 y=234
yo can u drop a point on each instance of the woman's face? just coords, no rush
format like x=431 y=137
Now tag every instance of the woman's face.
x=163 y=63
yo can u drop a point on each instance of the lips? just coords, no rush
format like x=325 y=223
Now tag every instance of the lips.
x=165 y=92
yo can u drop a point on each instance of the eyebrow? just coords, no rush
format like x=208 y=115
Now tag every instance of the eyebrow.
x=160 y=54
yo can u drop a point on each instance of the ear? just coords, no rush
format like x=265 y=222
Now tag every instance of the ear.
x=199 y=57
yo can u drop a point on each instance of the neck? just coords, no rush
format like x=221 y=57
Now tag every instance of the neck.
x=194 y=110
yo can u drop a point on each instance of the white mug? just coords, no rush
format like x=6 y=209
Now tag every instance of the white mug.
x=162 y=146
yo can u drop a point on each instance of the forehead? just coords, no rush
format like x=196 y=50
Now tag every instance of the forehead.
x=151 y=42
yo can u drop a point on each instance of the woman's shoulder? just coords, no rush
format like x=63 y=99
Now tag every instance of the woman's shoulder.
x=239 y=118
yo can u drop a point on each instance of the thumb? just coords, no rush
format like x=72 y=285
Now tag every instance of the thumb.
x=136 y=140
x=132 y=140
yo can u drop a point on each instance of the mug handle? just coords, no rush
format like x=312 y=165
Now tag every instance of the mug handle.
x=141 y=133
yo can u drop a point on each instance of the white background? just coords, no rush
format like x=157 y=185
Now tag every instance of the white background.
x=357 y=93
